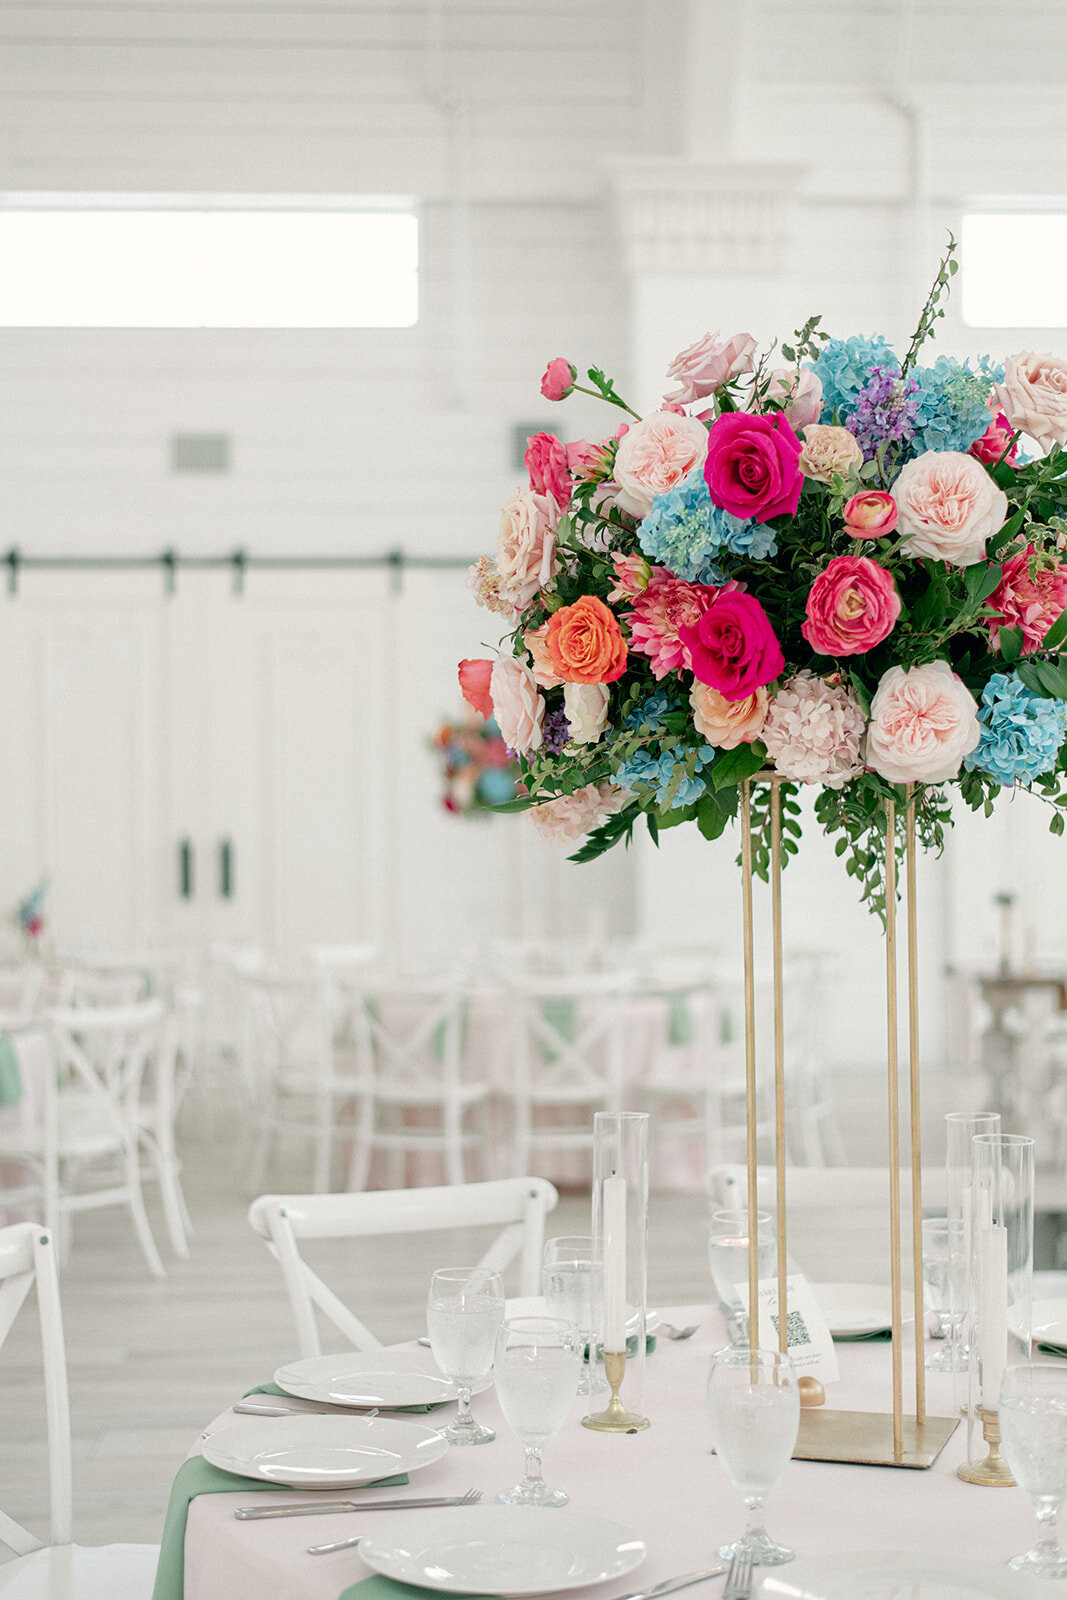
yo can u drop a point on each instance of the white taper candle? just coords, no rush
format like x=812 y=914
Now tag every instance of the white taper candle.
x=615 y=1263
x=992 y=1310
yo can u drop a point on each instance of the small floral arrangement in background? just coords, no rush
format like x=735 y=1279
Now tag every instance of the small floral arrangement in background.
x=478 y=769
x=29 y=916
x=840 y=569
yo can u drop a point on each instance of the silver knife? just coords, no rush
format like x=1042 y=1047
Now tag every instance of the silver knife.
x=318 y=1508
x=669 y=1585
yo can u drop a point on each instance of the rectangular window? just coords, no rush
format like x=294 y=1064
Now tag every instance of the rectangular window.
x=149 y=261
x=1012 y=269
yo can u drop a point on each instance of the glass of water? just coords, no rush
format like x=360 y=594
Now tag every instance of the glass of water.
x=573 y=1287
x=728 y=1255
x=463 y=1316
x=1033 y=1439
x=754 y=1412
x=940 y=1260
x=538 y=1360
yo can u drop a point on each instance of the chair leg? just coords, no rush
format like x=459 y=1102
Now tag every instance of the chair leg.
x=453 y=1130
x=140 y=1215
x=170 y=1192
x=362 y=1145
x=323 y=1144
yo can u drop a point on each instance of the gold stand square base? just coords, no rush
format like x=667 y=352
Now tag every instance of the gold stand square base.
x=866 y=1438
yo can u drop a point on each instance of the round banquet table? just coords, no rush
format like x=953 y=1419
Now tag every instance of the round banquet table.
x=664 y=1484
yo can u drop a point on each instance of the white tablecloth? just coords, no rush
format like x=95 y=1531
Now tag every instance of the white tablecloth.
x=664 y=1484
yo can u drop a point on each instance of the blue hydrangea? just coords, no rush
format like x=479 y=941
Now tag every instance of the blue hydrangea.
x=656 y=772
x=953 y=408
x=1021 y=731
x=652 y=709
x=844 y=368
x=688 y=535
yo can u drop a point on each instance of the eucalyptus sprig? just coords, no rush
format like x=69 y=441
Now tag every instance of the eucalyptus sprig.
x=932 y=310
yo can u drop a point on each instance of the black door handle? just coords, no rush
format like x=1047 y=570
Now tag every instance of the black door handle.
x=185 y=869
x=226 y=854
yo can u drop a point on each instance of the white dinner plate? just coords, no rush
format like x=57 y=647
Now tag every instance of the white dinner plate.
x=370 y=1378
x=322 y=1452
x=505 y=1550
x=892 y=1575
x=1049 y=1321
x=853 y=1309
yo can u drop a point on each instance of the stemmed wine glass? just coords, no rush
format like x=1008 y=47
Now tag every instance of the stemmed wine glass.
x=728 y=1258
x=754 y=1411
x=538 y=1360
x=463 y=1315
x=1033 y=1438
x=573 y=1287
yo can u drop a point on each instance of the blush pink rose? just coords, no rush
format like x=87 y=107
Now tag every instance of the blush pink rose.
x=751 y=468
x=559 y=379
x=586 y=708
x=536 y=641
x=1033 y=396
x=733 y=646
x=703 y=367
x=546 y=462
x=851 y=607
x=728 y=723
x=994 y=442
x=518 y=708
x=948 y=507
x=870 y=514
x=797 y=391
x=1030 y=602
x=526 y=546
x=924 y=720
x=474 y=679
x=655 y=455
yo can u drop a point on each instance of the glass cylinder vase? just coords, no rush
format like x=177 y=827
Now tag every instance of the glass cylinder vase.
x=999 y=1312
x=620 y=1243
x=961 y=1129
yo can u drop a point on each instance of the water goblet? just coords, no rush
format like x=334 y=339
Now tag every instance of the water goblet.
x=573 y=1287
x=537 y=1364
x=1033 y=1439
x=942 y=1254
x=728 y=1257
x=463 y=1316
x=754 y=1412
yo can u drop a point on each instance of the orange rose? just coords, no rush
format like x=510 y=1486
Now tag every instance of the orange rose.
x=584 y=643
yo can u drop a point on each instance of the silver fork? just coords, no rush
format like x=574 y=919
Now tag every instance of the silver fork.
x=471 y=1498
x=739 y=1577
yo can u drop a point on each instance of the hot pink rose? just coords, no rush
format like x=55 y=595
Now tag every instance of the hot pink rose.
x=559 y=379
x=656 y=455
x=924 y=720
x=948 y=507
x=751 y=468
x=991 y=446
x=851 y=607
x=474 y=679
x=517 y=706
x=798 y=392
x=526 y=546
x=1033 y=396
x=546 y=462
x=705 y=366
x=733 y=647
x=870 y=514
x=1031 y=603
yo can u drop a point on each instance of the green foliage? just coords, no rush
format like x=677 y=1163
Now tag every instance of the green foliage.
x=932 y=311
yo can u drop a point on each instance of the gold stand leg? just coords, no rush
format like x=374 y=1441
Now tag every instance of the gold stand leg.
x=915 y=1110
x=894 y=1119
x=750 y=1063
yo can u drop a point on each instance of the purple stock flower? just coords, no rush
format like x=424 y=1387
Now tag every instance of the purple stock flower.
x=885 y=411
x=555 y=731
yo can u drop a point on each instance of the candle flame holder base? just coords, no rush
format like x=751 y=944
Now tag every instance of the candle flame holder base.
x=993 y=1472
x=615 y=1418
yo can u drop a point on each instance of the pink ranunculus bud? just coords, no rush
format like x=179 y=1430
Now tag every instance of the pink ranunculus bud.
x=559 y=379
x=852 y=606
x=870 y=514
x=705 y=366
x=474 y=676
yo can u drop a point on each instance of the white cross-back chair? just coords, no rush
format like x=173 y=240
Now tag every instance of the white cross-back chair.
x=674 y=1068
x=157 y=1110
x=517 y=1205
x=102 y=986
x=20 y=990
x=58 y=1570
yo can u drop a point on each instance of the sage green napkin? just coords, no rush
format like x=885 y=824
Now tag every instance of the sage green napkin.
x=272 y=1388
x=880 y=1336
x=10 y=1076
x=197 y=1476
x=679 y=1019
x=381 y=1588
x=560 y=1016
x=1053 y=1349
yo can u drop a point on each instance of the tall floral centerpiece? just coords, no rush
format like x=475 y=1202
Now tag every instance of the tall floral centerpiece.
x=825 y=560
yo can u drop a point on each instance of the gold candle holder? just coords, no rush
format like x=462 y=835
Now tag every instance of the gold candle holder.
x=993 y=1472
x=615 y=1418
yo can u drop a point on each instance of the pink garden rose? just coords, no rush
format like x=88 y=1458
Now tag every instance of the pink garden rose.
x=798 y=392
x=705 y=366
x=559 y=379
x=871 y=514
x=518 y=708
x=572 y=815
x=526 y=546
x=727 y=723
x=655 y=455
x=924 y=720
x=948 y=507
x=814 y=731
x=474 y=679
x=751 y=468
x=546 y=462
x=994 y=442
x=1030 y=602
x=733 y=646
x=1033 y=396
x=852 y=606
x=586 y=709
x=659 y=613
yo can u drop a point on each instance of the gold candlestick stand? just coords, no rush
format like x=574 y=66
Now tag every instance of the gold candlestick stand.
x=874 y=1438
x=615 y=1418
x=993 y=1472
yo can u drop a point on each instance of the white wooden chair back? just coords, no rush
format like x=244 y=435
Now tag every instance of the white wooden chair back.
x=20 y=989
x=412 y=1034
x=570 y=1035
x=85 y=986
x=27 y=1254
x=290 y=1029
x=518 y=1205
x=105 y=1050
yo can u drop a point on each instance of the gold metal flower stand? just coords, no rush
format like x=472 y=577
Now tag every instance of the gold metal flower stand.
x=867 y=1437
